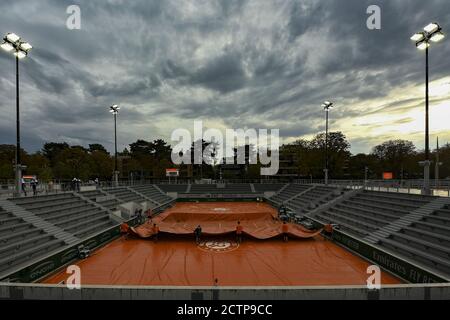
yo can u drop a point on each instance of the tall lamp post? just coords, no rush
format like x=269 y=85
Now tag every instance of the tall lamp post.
x=115 y=111
x=13 y=43
x=438 y=164
x=431 y=33
x=327 y=106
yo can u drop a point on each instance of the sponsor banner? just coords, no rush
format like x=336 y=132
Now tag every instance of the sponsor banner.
x=395 y=265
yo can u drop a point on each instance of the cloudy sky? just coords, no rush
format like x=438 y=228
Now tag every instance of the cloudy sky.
x=231 y=63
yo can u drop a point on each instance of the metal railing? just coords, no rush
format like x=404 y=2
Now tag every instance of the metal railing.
x=440 y=188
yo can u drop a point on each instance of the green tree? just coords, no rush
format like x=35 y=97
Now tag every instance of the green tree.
x=97 y=147
x=397 y=156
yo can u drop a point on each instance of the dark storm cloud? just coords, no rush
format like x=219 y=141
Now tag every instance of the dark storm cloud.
x=242 y=63
x=224 y=74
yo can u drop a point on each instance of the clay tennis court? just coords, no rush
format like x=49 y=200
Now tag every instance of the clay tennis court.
x=263 y=259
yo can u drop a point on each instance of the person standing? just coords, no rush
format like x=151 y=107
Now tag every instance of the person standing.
x=239 y=230
x=24 y=186
x=198 y=234
x=285 y=230
x=34 y=186
x=155 y=231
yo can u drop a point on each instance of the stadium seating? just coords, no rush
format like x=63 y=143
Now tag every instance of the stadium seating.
x=102 y=199
x=369 y=211
x=313 y=198
x=289 y=192
x=266 y=187
x=243 y=188
x=20 y=241
x=92 y=195
x=426 y=241
x=68 y=212
x=125 y=194
x=151 y=192
x=178 y=188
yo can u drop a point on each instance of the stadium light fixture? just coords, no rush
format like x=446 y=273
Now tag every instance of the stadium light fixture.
x=327 y=106
x=432 y=32
x=114 y=109
x=13 y=43
x=418 y=37
x=432 y=27
x=12 y=37
x=6 y=46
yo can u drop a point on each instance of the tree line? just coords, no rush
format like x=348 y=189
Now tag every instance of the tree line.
x=149 y=160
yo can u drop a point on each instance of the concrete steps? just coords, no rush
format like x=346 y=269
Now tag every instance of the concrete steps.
x=408 y=220
x=38 y=222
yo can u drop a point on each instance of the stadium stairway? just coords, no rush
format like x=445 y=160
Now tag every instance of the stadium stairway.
x=368 y=211
x=297 y=196
x=100 y=206
x=38 y=222
x=289 y=192
x=313 y=198
x=25 y=238
x=126 y=194
x=408 y=220
x=422 y=237
x=153 y=194
x=413 y=227
x=108 y=201
x=68 y=212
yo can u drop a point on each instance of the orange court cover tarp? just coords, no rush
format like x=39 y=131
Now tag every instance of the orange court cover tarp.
x=259 y=220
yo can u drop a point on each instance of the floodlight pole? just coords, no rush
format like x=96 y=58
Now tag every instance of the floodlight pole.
x=18 y=158
x=427 y=162
x=116 y=172
x=432 y=32
x=326 y=148
x=13 y=42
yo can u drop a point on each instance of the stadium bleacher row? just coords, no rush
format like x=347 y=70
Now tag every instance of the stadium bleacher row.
x=125 y=195
x=229 y=188
x=289 y=191
x=20 y=241
x=313 y=198
x=369 y=211
x=425 y=242
x=68 y=212
x=152 y=192
x=109 y=202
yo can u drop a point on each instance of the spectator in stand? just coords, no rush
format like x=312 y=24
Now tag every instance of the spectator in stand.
x=239 y=230
x=34 y=183
x=24 y=186
x=285 y=230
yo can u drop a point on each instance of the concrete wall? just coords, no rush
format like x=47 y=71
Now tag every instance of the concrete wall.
x=49 y=292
